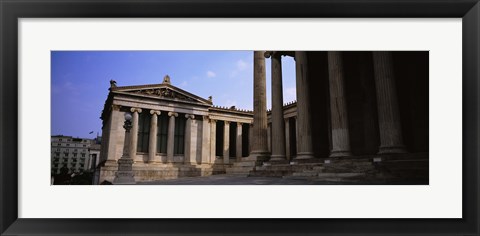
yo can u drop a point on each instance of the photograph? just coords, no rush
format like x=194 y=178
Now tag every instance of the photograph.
x=239 y=117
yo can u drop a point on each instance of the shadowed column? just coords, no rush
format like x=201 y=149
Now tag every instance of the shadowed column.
x=338 y=107
x=391 y=140
x=304 y=126
x=278 y=125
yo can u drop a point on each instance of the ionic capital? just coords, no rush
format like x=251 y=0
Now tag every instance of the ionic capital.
x=134 y=109
x=155 y=112
x=227 y=122
x=213 y=121
x=205 y=118
x=172 y=114
x=189 y=116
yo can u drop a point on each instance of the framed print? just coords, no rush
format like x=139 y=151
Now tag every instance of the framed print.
x=437 y=42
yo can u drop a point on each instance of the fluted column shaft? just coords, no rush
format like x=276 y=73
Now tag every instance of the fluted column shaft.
x=287 y=139
x=278 y=125
x=391 y=140
x=259 y=145
x=171 y=135
x=239 y=141
x=338 y=106
x=305 y=148
x=213 y=140
x=226 y=142
x=205 y=140
x=188 y=147
x=152 y=146
x=134 y=133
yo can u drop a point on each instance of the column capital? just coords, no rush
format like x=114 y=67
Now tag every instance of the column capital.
x=205 y=117
x=239 y=123
x=213 y=121
x=189 y=116
x=116 y=107
x=227 y=122
x=135 y=109
x=155 y=112
x=172 y=114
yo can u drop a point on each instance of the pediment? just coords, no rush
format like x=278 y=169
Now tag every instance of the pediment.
x=162 y=91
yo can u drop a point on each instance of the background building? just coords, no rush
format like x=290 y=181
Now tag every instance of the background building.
x=72 y=153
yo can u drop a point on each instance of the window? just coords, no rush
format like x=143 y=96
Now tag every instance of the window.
x=162 y=133
x=83 y=154
x=143 y=132
x=74 y=155
x=178 y=141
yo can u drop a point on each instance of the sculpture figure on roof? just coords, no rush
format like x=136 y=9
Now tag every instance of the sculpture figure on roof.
x=113 y=83
x=166 y=79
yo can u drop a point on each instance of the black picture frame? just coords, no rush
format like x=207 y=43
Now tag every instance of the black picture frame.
x=11 y=11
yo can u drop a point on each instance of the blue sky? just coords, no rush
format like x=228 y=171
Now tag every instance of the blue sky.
x=80 y=81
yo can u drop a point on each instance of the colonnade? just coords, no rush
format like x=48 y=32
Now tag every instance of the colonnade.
x=208 y=145
x=388 y=111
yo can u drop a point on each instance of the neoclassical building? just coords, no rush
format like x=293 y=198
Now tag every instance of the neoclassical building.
x=356 y=114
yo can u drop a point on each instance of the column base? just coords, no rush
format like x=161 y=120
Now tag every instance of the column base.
x=392 y=150
x=304 y=155
x=258 y=156
x=278 y=158
x=340 y=153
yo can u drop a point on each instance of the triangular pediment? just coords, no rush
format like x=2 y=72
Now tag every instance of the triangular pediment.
x=161 y=91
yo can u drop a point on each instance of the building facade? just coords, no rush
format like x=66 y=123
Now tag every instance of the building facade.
x=71 y=153
x=356 y=113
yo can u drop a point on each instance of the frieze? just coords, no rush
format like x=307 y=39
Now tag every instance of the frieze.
x=164 y=93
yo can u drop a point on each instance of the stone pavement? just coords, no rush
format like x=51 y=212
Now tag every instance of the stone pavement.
x=240 y=180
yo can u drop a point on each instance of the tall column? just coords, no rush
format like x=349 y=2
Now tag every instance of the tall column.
x=259 y=145
x=116 y=131
x=239 y=141
x=134 y=133
x=152 y=145
x=278 y=125
x=226 y=143
x=338 y=107
x=391 y=140
x=250 y=138
x=213 y=140
x=287 y=139
x=171 y=135
x=305 y=148
x=190 y=137
x=205 y=140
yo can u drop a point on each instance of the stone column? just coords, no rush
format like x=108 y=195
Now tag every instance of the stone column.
x=296 y=136
x=304 y=141
x=226 y=143
x=205 y=140
x=338 y=107
x=190 y=135
x=134 y=133
x=152 y=145
x=114 y=136
x=259 y=146
x=287 y=139
x=171 y=136
x=278 y=125
x=269 y=137
x=239 y=141
x=213 y=140
x=391 y=140
x=250 y=138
